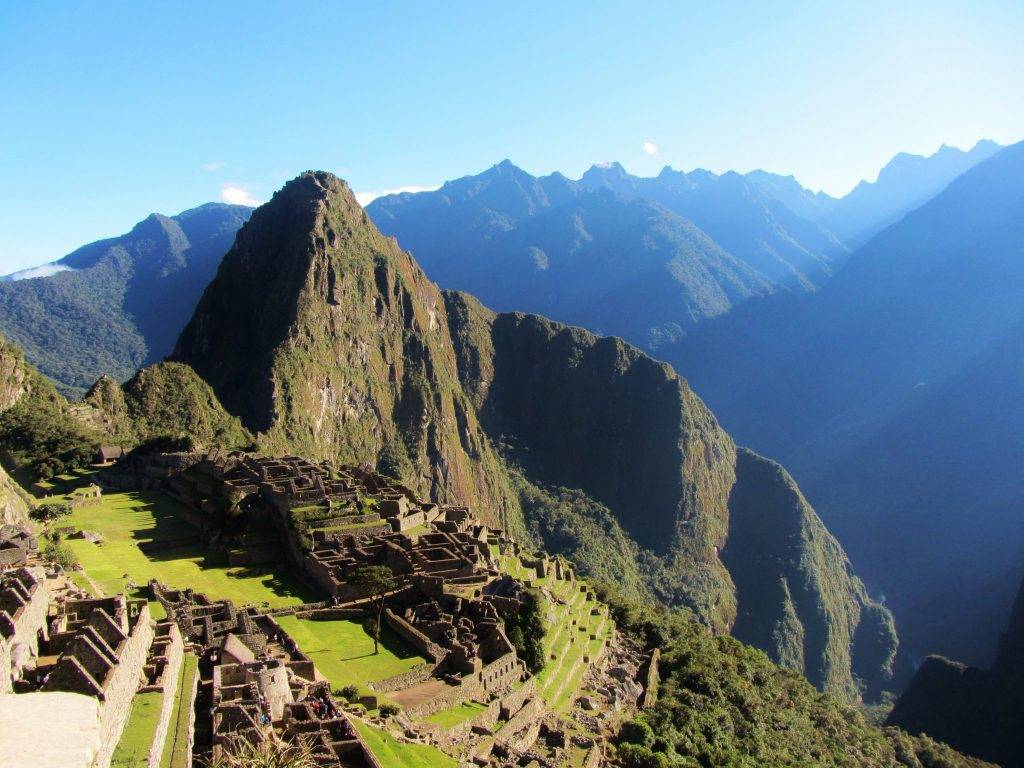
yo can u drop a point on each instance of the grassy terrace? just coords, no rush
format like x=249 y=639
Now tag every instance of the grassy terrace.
x=343 y=651
x=565 y=644
x=396 y=754
x=132 y=750
x=449 y=718
x=132 y=521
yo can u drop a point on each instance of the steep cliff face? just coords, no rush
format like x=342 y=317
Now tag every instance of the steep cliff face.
x=327 y=340
x=799 y=598
x=15 y=383
x=577 y=410
x=596 y=414
x=977 y=711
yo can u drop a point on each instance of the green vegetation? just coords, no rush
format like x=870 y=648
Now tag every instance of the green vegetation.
x=166 y=401
x=526 y=629
x=58 y=552
x=449 y=718
x=135 y=527
x=176 y=748
x=722 y=703
x=126 y=300
x=396 y=754
x=40 y=437
x=344 y=652
x=137 y=738
x=50 y=510
x=375 y=581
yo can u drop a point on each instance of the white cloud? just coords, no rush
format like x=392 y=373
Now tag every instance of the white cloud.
x=44 y=270
x=236 y=194
x=210 y=167
x=650 y=148
x=365 y=198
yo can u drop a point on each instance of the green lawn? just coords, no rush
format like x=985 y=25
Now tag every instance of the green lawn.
x=396 y=754
x=176 y=750
x=343 y=652
x=448 y=718
x=132 y=750
x=128 y=520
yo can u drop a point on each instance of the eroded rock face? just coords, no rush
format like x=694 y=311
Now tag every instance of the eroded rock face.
x=15 y=383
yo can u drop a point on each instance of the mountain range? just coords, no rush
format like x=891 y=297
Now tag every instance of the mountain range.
x=115 y=305
x=894 y=395
x=677 y=264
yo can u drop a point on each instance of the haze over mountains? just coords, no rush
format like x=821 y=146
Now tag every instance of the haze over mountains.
x=647 y=259
x=894 y=394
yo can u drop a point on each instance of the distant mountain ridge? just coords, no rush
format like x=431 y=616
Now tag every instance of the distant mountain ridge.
x=893 y=395
x=118 y=303
x=644 y=259
x=906 y=182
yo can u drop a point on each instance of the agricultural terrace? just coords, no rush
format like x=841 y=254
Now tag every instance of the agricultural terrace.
x=578 y=627
x=397 y=754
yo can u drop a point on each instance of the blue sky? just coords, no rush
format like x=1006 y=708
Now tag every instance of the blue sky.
x=111 y=112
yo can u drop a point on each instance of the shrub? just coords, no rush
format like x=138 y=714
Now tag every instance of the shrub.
x=51 y=510
x=349 y=693
x=525 y=630
x=637 y=732
x=59 y=553
x=389 y=710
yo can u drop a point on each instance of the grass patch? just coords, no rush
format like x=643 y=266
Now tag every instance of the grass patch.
x=132 y=750
x=176 y=751
x=343 y=651
x=449 y=718
x=130 y=521
x=396 y=754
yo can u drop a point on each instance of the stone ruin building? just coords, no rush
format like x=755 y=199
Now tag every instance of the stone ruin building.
x=80 y=659
x=17 y=544
x=255 y=679
x=456 y=552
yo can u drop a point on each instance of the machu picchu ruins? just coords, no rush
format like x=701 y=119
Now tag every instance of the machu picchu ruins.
x=218 y=670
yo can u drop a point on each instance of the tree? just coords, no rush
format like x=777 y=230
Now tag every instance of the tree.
x=376 y=581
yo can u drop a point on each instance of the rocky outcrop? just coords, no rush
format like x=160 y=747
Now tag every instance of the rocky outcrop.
x=15 y=383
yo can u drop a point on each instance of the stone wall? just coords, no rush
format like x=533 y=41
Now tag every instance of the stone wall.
x=417 y=674
x=650 y=679
x=174 y=654
x=19 y=631
x=122 y=684
x=414 y=637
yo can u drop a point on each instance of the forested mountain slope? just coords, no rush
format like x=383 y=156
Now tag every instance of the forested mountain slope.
x=121 y=302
